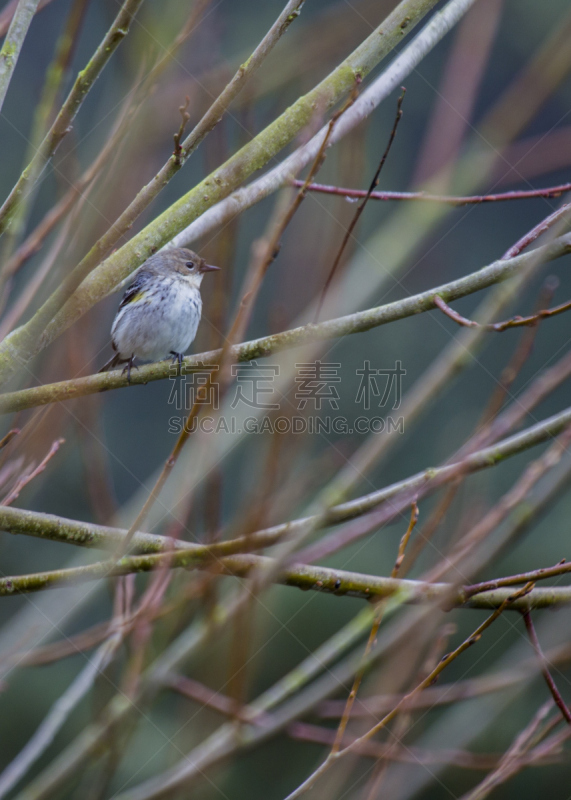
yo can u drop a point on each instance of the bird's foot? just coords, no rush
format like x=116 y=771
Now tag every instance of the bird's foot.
x=128 y=367
x=179 y=358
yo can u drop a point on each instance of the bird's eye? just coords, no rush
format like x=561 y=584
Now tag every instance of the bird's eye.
x=190 y=264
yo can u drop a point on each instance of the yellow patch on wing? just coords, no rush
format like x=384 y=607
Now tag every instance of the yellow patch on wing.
x=136 y=297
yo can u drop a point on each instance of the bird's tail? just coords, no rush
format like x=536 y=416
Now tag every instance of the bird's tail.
x=112 y=363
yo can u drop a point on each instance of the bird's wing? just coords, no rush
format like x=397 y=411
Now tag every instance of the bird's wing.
x=136 y=291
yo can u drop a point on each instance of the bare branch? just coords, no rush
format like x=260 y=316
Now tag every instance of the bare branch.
x=17 y=31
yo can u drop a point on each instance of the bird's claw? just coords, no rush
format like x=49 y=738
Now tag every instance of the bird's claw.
x=179 y=358
x=128 y=367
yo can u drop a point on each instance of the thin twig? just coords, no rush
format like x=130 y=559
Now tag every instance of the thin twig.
x=409 y=754
x=360 y=208
x=540 y=574
x=550 y=191
x=559 y=701
x=520 y=356
x=24 y=480
x=272 y=247
x=514 y=760
x=514 y=322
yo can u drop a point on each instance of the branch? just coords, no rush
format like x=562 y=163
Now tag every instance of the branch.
x=514 y=322
x=25 y=479
x=17 y=31
x=411 y=754
x=453 y=359
x=559 y=702
x=259 y=348
x=523 y=577
x=301 y=576
x=550 y=191
x=7 y=13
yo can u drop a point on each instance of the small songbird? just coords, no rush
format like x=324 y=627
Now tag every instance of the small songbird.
x=160 y=311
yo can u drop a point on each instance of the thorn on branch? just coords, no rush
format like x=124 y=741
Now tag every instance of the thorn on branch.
x=185 y=116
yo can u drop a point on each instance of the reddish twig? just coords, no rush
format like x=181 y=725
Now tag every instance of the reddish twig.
x=551 y=191
x=445 y=308
x=203 y=694
x=523 y=577
x=520 y=356
x=530 y=237
x=544 y=667
x=514 y=322
x=409 y=754
x=26 y=478
x=533 y=319
x=70 y=646
x=361 y=207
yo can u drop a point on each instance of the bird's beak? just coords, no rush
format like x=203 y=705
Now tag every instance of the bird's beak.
x=208 y=268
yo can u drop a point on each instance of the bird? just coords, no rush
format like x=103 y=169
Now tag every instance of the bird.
x=159 y=313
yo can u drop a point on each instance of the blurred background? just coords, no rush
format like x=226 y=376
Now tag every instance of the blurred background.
x=487 y=111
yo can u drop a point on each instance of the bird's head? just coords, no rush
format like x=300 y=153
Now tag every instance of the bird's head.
x=186 y=263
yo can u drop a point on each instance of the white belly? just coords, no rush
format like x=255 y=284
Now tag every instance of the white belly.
x=159 y=324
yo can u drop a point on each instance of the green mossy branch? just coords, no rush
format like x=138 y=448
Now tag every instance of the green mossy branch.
x=302 y=576
x=17 y=31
